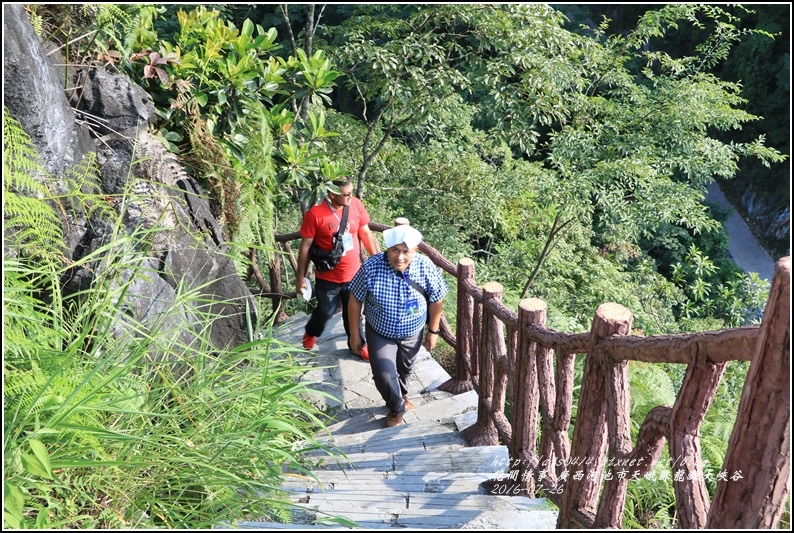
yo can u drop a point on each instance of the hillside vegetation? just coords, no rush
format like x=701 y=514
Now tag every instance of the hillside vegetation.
x=570 y=161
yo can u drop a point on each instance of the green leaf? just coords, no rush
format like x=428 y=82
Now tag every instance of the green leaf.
x=173 y=136
x=239 y=138
x=33 y=466
x=237 y=153
x=248 y=28
x=14 y=504
x=42 y=455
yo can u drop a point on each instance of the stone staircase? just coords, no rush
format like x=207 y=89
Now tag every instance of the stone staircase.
x=418 y=475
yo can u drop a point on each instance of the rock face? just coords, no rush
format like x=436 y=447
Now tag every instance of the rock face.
x=775 y=221
x=35 y=96
x=154 y=195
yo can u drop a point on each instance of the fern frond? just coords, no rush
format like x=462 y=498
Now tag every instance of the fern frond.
x=650 y=386
x=256 y=202
x=31 y=219
x=131 y=31
x=84 y=186
x=22 y=394
x=36 y=20
x=36 y=230
x=112 y=20
x=248 y=230
x=19 y=153
x=259 y=190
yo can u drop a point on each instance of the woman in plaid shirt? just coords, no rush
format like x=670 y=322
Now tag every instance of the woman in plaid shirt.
x=400 y=291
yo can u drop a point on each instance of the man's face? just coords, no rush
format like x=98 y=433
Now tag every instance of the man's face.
x=400 y=256
x=344 y=198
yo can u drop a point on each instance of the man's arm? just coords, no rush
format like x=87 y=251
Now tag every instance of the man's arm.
x=433 y=323
x=303 y=263
x=368 y=239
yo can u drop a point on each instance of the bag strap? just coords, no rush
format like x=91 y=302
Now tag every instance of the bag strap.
x=418 y=288
x=343 y=222
x=421 y=291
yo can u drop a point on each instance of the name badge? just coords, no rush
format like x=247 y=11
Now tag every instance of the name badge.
x=347 y=242
x=411 y=307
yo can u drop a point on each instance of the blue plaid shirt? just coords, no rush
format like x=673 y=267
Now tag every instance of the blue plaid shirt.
x=391 y=305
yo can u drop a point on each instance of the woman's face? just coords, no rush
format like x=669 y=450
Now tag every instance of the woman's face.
x=400 y=256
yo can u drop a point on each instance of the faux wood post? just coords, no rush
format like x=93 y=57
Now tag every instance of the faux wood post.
x=483 y=432
x=503 y=337
x=613 y=497
x=760 y=445
x=464 y=329
x=290 y=255
x=525 y=407
x=560 y=418
x=476 y=344
x=547 y=396
x=590 y=433
x=689 y=484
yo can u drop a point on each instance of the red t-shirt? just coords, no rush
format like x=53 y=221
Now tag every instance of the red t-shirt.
x=320 y=223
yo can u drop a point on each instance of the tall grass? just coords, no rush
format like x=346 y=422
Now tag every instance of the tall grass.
x=110 y=422
x=113 y=421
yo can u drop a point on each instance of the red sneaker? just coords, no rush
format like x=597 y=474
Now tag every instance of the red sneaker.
x=309 y=341
x=365 y=353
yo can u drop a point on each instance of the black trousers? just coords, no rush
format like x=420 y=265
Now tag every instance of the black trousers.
x=392 y=363
x=329 y=295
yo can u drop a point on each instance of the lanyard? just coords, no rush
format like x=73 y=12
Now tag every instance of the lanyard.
x=341 y=229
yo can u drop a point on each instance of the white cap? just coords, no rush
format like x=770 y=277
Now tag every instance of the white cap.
x=403 y=233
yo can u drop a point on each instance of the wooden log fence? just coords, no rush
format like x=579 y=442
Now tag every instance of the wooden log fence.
x=586 y=476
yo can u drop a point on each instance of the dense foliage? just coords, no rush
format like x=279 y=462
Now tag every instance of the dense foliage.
x=112 y=423
x=570 y=161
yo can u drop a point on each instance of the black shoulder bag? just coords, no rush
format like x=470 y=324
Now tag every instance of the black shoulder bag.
x=327 y=260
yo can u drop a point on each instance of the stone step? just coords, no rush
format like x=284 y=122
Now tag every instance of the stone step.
x=272 y=525
x=398 y=481
x=420 y=435
x=409 y=502
x=439 y=407
x=443 y=458
x=448 y=513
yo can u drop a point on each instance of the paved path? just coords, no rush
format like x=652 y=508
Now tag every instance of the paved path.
x=742 y=244
x=420 y=475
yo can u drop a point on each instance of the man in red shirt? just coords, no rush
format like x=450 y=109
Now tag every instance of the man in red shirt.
x=319 y=224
